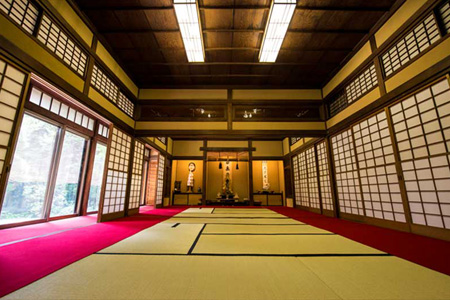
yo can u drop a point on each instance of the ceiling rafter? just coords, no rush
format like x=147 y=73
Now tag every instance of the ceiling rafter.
x=251 y=7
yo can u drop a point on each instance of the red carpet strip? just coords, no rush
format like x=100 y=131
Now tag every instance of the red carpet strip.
x=25 y=262
x=425 y=251
x=29 y=231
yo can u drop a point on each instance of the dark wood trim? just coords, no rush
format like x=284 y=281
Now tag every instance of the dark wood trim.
x=228 y=149
x=133 y=211
x=316 y=158
x=234 y=135
x=378 y=67
x=332 y=178
x=112 y=216
x=386 y=45
x=105 y=174
x=250 y=171
x=14 y=135
x=266 y=158
x=415 y=58
x=434 y=232
x=204 y=179
x=438 y=70
x=30 y=64
x=188 y=157
x=129 y=175
x=88 y=177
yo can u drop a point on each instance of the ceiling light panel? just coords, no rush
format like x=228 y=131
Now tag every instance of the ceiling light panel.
x=188 y=21
x=280 y=16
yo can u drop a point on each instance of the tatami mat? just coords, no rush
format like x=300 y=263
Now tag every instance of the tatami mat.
x=280 y=244
x=231 y=221
x=256 y=229
x=244 y=210
x=206 y=277
x=202 y=210
x=230 y=215
x=161 y=238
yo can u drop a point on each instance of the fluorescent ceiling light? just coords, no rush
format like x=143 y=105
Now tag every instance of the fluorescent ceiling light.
x=280 y=16
x=188 y=21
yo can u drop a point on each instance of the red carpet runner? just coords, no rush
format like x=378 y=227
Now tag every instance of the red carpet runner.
x=428 y=252
x=27 y=261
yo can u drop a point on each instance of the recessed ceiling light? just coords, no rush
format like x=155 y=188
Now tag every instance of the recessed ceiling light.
x=188 y=20
x=280 y=16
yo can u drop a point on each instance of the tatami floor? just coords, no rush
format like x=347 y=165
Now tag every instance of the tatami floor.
x=237 y=253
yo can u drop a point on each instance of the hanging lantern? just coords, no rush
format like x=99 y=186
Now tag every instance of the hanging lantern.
x=220 y=163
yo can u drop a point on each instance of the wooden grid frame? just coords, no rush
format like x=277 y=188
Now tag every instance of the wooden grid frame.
x=410 y=45
x=378 y=175
x=59 y=108
x=313 y=185
x=136 y=175
x=162 y=139
x=324 y=176
x=22 y=12
x=12 y=83
x=59 y=42
x=103 y=130
x=294 y=140
x=125 y=104
x=444 y=12
x=160 y=180
x=364 y=82
x=296 y=180
x=347 y=178
x=117 y=173
x=421 y=125
x=104 y=84
x=303 y=180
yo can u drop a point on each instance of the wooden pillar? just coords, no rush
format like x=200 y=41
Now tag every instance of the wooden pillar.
x=205 y=161
x=250 y=172
x=332 y=171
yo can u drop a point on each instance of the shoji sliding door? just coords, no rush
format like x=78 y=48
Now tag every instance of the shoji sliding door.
x=422 y=131
x=117 y=175
x=136 y=177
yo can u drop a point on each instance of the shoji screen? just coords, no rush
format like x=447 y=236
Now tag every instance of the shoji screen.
x=296 y=180
x=136 y=176
x=303 y=179
x=117 y=174
x=422 y=131
x=313 y=187
x=378 y=176
x=347 y=179
x=160 y=180
x=12 y=83
x=324 y=176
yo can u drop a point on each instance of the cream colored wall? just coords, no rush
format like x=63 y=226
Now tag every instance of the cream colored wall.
x=71 y=17
x=109 y=106
x=267 y=148
x=348 y=68
x=182 y=94
x=304 y=94
x=187 y=148
x=112 y=64
x=286 y=146
x=278 y=125
x=405 y=12
x=354 y=107
x=230 y=144
x=424 y=62
x=24 y=42
x=181 y=125
x=239 y=179
x=160 y=144
x=182 y=173
x=273 y=173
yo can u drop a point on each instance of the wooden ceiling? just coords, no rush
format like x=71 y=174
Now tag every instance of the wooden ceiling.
x=145 y=37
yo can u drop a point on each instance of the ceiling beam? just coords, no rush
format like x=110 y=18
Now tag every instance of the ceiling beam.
x=211 y=49
x=326 y=31
x=237 y=63
x=249 y=7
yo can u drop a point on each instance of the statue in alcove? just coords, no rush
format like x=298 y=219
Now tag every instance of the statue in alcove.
x=190 y=181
